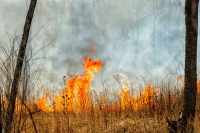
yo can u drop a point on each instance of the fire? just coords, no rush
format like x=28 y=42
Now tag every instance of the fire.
x=125 y=96
x=75 y=96
x=181 y=82
x=43 y=102
x=180 y=79
x=145 y=98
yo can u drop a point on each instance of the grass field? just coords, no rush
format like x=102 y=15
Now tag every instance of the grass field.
x=79 y=109
x=106 y=116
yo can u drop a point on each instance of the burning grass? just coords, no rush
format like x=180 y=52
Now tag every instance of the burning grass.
x=107 y=118
x=79 y=109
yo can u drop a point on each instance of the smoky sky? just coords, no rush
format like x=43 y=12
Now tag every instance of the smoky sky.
x=140 y=38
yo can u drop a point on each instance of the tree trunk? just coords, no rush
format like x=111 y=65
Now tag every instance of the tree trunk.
x=18 y=68
x=186 y=122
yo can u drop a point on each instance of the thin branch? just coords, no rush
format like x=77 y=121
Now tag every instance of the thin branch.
x=31 y=115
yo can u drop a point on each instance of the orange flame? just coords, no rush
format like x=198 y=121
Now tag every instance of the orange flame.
x=75 y=97
x=181 y=82
x=145 y=97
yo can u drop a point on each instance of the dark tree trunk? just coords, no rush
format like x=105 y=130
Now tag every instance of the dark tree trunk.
x=186 y=122
x=18 y=68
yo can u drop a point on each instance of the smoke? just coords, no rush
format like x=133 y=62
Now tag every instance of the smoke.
x=138 y=38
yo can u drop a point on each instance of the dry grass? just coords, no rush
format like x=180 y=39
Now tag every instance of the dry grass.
x=99 y=118
x=113 y=120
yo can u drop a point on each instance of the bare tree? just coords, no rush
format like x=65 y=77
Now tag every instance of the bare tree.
x=186 y=122
x=18 y=68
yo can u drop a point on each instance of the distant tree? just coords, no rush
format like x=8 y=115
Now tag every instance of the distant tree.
x=18 y=68
x=186 y=122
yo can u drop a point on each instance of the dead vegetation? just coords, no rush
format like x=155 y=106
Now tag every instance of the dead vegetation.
x=107 y=120
x=105 y=113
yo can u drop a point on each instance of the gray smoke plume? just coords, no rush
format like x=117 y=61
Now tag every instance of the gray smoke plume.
x=136 y=37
